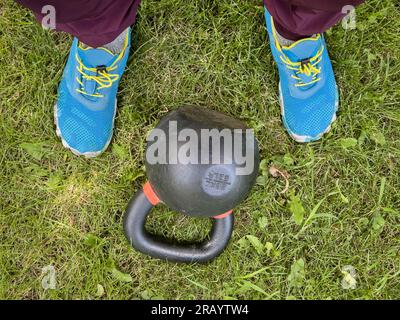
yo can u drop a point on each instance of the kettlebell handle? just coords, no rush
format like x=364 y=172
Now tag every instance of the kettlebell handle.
x=134 y=226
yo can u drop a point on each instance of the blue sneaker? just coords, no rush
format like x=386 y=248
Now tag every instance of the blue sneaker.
x=85 y=110
x=308 y=92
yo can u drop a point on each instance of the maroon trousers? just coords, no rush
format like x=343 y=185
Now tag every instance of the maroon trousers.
x=296 y=19
x=97 y=22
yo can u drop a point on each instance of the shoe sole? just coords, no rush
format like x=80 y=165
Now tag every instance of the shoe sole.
x=88 y=155
x=306 y=139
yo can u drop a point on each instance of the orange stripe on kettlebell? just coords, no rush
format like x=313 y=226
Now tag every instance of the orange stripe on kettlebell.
x=221 y=216
x=150 y=194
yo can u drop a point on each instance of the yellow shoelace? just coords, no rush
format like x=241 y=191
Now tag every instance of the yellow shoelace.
x=103 y=77
x=308 y=67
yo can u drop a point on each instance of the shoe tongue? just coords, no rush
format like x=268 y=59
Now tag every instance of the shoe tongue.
x=93 y=58
x=303 y=49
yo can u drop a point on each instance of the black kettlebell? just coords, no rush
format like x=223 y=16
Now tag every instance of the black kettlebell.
x=209 y=187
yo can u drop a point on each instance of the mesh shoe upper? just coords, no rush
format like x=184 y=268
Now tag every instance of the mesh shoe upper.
x=86 y=105
x=308 y=90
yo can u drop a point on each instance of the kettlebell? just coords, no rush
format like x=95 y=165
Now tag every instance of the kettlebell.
x=195 y=165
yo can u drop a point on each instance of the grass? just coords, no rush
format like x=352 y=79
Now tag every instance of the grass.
x=61 y=210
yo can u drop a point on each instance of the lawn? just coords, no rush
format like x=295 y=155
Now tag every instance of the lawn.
x=342 y=210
